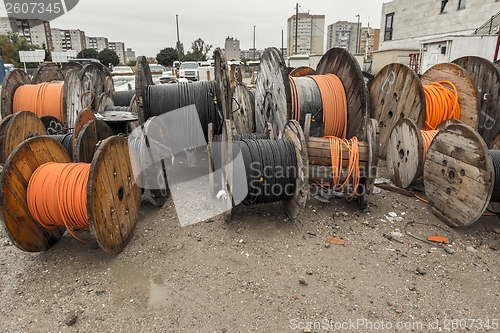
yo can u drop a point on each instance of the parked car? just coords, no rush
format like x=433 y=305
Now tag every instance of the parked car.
x=83 y=61
x=189 y=70
x=122 y=70
x=157 y=69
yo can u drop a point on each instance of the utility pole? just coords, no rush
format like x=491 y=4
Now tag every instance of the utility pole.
x=282 y=43
x=178 y=39
x=357 y=35
x=254 y=50
x=296 y=26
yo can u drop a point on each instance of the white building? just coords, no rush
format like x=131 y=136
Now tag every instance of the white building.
x=232 y=48
x=119 y=48
x=406 y=25
x=345 y=35
x=65 y=40
x=97 y=43
x=310 y=34
x=36 y=32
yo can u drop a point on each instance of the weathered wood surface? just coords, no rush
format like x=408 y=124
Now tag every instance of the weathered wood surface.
x=72 y=98
x=273 y=99
x=340 y=62
x=24 y=232
x=302 y=71
x=66 y=66
x=222 y=78
x=53 y=126
x=293 y=132
x=486 y=78
x=15 y=128
x=109 y=85
x=405 y=153
x=396 y=93
x=227 y=168
x=82 y=119
x=93 y=78
x=47 y=72
x=319 y=153
x=143 y=80
x=134 y=110
x=91 y=134
x=467 y=96
x=103 y=101
x=113 y=196
x=13 y=80
x=458 y=176
x=235 y=75
x=243 y=107
x=372 y=137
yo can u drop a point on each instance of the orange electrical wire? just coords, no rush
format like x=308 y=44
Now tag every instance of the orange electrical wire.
x=353 y=172
x=441 y=102
x=57 y=196
x=427 y=137
x=45 y=99
x=334 y=103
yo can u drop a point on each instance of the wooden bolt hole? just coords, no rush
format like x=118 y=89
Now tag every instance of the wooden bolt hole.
x=395 y=96
x=121 y=193
x=451 y=175
x=391 y=114
x=382 y=102
x=401 y=153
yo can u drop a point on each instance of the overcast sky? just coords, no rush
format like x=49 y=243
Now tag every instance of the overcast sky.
x=149 y=25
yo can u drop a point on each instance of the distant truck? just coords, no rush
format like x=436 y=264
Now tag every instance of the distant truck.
x=189 y=70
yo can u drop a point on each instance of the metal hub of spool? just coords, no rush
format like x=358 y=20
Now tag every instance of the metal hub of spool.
x=458 y=175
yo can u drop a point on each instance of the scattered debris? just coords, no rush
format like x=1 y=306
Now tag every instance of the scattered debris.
x=303 y=281
x=397 y=234
x=327 y=245
x=421 y=270
x=71 y=318
x=438 y=239
x=449 y=250
x=471 y=249
x=333 y=240
x=295 y=298
x=309 y=272
x=392 y=239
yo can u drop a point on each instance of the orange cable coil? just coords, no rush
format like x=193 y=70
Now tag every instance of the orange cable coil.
x=441 y=103
x=44 y=99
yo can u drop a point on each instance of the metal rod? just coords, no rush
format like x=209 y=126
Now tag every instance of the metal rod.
x=357 y=36
x=296 y=26
x=495 y=58
x=178 y=39
x=254 y=42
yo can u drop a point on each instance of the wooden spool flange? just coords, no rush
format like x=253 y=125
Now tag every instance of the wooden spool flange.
x=13 y=80
x=340 y=62
x=112 y=195
x=458 y=175
x=15 y=128
x=72 y=99
x=405 y=152
x=467 y=96
x=53 y=126
x=396 y=93
x=47 y=72
x=93 y=132
x=486 y=78
x=82 y=119
x=103 y=101
x=93 y=79
x=320 y=162
x=222 y=78
x=243 y=107
x=302 y=71
x=143 y=80
x=66 y=66
x=273 y=98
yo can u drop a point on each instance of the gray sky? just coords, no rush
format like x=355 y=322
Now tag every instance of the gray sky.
x=149 y=25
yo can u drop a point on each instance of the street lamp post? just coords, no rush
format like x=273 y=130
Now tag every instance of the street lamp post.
x=254 y=42
x=357 y=35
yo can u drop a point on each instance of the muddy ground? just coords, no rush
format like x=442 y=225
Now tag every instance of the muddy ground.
x=245 y=276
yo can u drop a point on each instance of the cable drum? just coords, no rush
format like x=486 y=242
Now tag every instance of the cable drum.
x=204 y=95
x=306 y=98
x=123 y=98
x=495 y=156
x=118 y=108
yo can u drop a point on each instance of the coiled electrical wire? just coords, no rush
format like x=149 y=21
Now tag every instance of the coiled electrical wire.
x=270 y=168
x=204 y=95
x=65 y=140
x=118 y=108
x=123 y=98
x=495 y=155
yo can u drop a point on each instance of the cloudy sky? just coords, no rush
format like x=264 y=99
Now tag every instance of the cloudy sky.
x=149 y=25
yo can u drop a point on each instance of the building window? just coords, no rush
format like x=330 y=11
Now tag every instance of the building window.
x=461 y=4
x=444 y=6
x=389 y=23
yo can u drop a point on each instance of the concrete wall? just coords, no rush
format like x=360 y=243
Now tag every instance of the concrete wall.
x=382 y=58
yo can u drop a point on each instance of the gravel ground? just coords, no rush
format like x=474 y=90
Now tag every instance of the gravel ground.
x=263 y=273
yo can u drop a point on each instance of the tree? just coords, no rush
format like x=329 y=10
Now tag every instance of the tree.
x=199 y=51
x=108 y=56
x=88 y=54
x=11 y=44
x=132 y=63
x=167 y=56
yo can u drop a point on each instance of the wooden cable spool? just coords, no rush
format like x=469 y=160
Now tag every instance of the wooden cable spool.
x=47 y=72
x=293 y=132
x=485 y=76
x=273 y=98
x=302 y=71
x=93 y=78
x=243 y=106
x=113 y=198
x=53 y=126
x=119 y=121
x=143 y=79
x=93 y=132
x=320 y=161
x=405 y=152
x=459 y=175
x=66 y=66
x=221 y=73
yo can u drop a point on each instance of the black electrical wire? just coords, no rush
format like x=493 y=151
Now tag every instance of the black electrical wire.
x=205 y=95
x=270 y=167
x=118 y=108
x=66 y=141
x=123 y=98
x=310 y=102
x=495 y=156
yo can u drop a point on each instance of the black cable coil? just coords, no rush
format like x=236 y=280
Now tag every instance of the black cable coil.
x=118 y=108
x=204 y=95
x=65 y=140
x=270 y=166
x=123 y=98
x=311 y=102
x=495 y=156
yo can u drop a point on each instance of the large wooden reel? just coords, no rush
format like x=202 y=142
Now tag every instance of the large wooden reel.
x=93 y=79
x=143 y=80
x=91 y=134
x=243 y=106
x=486 y=77
x=222 y=78
x=47 y=72
x=458 y=175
